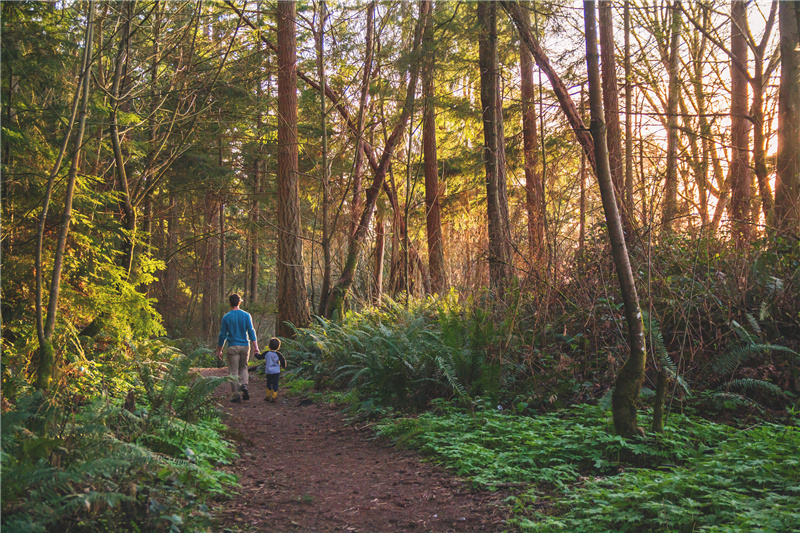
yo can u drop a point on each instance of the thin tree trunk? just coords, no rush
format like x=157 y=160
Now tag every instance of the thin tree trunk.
x=534 y=190
x=628 y=113
x=292 y=296
x=740 y=129
x=499 y=256
x=326 y=190
x=787 y=186
x=631 y=375
x=433 y=207
x=358 y=167
x=582 y=216
x=210 y=272
x=380 y=254
x=126 y=204
x=670 y=207
x=611 y=109
x=45 y=367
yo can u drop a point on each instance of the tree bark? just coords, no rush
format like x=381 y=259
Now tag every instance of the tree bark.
x=631 y=375
x=499 y=246
x=628 y=113
x=787 y=186
x=670 y=207
x=292 y=296
x=433 y=208
x=325 y=170
x=534 y=187
x=740 y=129
x=611 y=109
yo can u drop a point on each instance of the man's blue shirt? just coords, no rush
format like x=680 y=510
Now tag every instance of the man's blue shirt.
x=236 y=326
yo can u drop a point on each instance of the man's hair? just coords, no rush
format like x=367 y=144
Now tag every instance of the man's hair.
x=274 y=343
x=234 y=299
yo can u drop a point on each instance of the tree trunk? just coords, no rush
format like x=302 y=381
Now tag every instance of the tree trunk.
x=534 y=187
x=292 y=295
x=499 y=256
x=358 y=166
x=46 y=358
x=380 y=254
x=325 y=174
x=433 y=208
x=670 y=207
x=631 y=375
x=787 y=186
x=628 y=114
x=117 y=89
x=210 y=268
x=740 y=129
x=611 y=109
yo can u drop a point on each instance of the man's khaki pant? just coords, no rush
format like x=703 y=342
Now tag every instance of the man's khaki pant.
x=237 y=366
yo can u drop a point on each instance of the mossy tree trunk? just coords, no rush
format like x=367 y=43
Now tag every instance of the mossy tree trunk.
x=631 y=375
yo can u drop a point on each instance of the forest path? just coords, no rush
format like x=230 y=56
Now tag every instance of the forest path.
x=302 y=469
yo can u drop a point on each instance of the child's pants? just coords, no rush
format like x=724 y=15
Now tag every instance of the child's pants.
x=237 y=366
x=272 y=382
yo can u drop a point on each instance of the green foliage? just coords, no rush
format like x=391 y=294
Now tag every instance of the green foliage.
x=402 y=356
x=696 y=476
x=93 y=466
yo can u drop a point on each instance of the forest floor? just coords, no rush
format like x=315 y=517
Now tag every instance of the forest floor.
x=301 y=467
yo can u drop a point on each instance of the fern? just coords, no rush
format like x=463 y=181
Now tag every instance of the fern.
x=730 y=361
x=756 y=385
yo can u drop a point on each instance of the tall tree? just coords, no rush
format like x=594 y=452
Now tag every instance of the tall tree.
x=670 y=206
x=611 y=109
x=499 y=245
x=342 y=286
x=292 y=295
x=631 y=375
x=325 y=170
x=534 y=185
x=787 y=186
x=45 y=329
x=740 y=128
x=433 y=206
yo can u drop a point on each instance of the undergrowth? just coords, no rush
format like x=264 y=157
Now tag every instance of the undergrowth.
x=94 y=465
x=696 y=476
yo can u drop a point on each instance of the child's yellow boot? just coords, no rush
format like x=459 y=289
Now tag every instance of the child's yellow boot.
x=269 y=396
x=274 y=396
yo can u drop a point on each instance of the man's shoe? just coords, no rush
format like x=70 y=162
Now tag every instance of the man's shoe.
x=245 y=393
x=236 y=399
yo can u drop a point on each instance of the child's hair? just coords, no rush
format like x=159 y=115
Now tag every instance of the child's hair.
x=274 y=343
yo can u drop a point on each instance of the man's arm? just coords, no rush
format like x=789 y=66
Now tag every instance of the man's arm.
x=223 y=335
x=251 y=331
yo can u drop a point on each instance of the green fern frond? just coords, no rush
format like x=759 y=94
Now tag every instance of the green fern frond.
x=730 y=361
x=754 y=385
x=446 y=368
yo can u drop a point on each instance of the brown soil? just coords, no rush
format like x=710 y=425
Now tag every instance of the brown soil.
x=302 y=468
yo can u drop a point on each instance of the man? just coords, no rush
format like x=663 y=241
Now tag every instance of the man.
x=236 y=328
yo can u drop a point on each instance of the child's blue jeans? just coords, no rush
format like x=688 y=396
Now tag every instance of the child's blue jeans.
x=272 y=381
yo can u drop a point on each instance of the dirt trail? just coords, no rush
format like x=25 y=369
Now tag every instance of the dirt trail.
x=302 y=469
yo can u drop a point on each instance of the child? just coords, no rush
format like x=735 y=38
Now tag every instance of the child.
x=273 y=362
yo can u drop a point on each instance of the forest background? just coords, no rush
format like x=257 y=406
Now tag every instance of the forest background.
x=430 y=228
